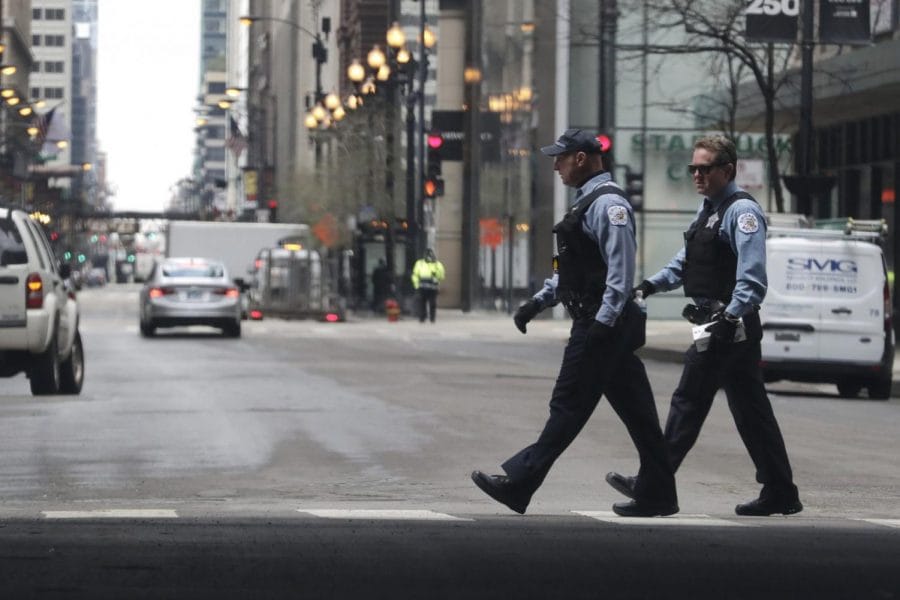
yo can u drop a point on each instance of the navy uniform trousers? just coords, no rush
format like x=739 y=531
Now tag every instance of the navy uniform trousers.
x=734 y=367
x=610 y=368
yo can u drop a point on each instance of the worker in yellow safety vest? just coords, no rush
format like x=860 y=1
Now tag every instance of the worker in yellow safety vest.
x=427 y=275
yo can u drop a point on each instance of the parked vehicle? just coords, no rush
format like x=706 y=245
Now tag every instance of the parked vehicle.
x=293 y=281
x=190 y=291
x=233 y=243
x=38 y=311
x=827 y=314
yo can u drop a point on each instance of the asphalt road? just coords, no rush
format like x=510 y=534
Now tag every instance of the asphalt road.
x=198 y=466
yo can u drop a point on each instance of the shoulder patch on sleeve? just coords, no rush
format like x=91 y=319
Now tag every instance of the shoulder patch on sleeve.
x=748 y=222
x=618 y=215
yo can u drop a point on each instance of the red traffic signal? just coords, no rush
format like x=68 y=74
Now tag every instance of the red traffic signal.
x=435 y=140
x=605 y=142
x=273 y=203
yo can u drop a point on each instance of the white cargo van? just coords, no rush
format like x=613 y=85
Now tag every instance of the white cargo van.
x=827 y=313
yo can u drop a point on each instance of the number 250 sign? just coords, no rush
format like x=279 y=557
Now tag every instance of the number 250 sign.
x=772 y=20
x=771 y=8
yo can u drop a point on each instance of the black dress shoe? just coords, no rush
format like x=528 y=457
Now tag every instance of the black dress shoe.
x=764 y=508
x=621 y=483
x=635 y=508
x=501 y=489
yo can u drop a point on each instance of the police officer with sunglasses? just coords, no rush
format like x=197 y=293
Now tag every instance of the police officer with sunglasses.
x=595 y=272
x=723 y=268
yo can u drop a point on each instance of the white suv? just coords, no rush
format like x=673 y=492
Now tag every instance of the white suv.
x=38 y=312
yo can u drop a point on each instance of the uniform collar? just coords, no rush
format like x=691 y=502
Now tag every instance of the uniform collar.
x=727 y=192
x=593 y=183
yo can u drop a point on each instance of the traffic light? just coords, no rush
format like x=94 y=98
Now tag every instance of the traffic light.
x=434 y=184
x=434 y=187
x=606 y=147
x=634 y=187
x=273 y=211
x=606 y=142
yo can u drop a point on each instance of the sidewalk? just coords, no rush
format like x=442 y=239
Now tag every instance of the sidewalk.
x=667 y=340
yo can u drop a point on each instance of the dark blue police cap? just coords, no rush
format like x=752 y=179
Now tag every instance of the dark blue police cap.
x=574 y=140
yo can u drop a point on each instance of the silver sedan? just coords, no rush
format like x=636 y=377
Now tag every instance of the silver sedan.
x=190 y=291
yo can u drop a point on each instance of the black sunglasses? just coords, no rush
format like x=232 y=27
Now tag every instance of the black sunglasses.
x=704 y=169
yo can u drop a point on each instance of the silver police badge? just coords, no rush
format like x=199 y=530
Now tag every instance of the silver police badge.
x=617 y=215
x=748 y=223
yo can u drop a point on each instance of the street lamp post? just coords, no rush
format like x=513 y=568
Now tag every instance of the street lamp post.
x=397 y=68
x=319 y=54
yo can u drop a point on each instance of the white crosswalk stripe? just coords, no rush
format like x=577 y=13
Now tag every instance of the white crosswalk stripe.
x=112 y=513
x=674 y=520
x=381 y=515
x=885 y=522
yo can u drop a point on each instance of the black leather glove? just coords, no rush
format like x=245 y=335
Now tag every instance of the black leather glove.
x=723 y=328
x=645 y=287
x=525 y=313
x=598 y=334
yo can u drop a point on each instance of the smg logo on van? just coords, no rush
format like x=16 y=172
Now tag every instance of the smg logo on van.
x=824 y=266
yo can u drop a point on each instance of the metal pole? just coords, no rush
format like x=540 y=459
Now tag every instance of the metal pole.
x=644 y=84
x=420 y=171
x=806 y=97
x=412 y=215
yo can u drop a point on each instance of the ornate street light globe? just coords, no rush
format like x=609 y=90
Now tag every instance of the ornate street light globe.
x=352 y=102
x=384 y=73
x=25 y=111
x=395 y=36
x=8 y=69
x=356 y=72
x=8 y=92
x=430 y=38
x=13 y=101
x=233 y=92
x=246 y=21
x=339 y=113
x=319 y=112
x=332 y=101
x=376 y=57
x=368 y=88
x=224 y=104
x=32 y=131
x=310 y=121
x=472 y=75
x=62 y=144
x=403 y=56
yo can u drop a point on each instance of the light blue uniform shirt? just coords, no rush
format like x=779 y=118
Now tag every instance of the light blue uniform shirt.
x=744 y=229
x=613 y=230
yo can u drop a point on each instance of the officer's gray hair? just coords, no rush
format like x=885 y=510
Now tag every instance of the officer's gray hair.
x=721 y=147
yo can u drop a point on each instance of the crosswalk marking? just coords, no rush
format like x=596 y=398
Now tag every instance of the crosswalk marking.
x=885 y=522
x=112 y=513
x=382 y=515
x=611 y=517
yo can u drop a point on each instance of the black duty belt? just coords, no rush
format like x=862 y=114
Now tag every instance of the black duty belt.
x=581 y=307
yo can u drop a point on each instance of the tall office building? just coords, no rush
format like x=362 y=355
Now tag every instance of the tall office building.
x=83 y=145
x=51 y=76
x=209 y=164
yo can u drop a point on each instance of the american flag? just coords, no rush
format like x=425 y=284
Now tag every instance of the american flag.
x=42 y=122
x=236 y=141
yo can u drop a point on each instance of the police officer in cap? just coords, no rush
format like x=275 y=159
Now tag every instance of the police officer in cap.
x=723 y=268
x=593 y=279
